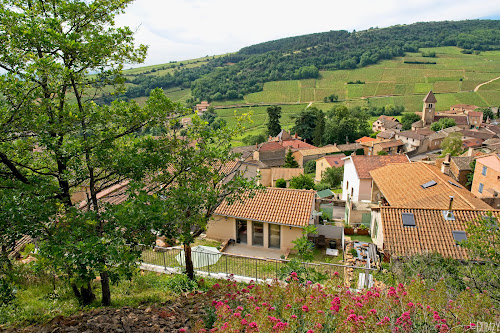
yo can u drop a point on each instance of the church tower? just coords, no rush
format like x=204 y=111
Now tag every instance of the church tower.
x=429 y=109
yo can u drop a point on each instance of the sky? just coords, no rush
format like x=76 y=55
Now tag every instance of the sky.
x=178 y=30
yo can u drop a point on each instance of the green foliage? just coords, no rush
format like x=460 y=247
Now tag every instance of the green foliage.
x=281 y=183
x=251 y=140
x=452 y=144
x=319 y=128
x=470 y=176
x=408 y=119
x=306 y=72
x=487 y=114
x=483 y=242
x=343 y=124
x=333 y=176
x=209 y=115
x=180 y=283
x=442 y=124
x=303 y=246
x=310 y=166
x=429 y=54
x=290 y=161
x=382 y=152
x=273 y=124
x=321 y=186
x=305 y=123
x=303 y=274
x=302 y=182
x=353 y=252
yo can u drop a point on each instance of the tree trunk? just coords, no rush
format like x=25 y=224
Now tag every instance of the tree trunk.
x=87 y=295
x=106 y=292
x=189 y=262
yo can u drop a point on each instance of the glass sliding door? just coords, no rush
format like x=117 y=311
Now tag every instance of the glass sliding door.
x=241 y=231
x=274 y=236
x=258 y=234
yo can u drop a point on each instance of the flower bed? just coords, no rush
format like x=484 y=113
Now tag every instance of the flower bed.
x=308 y=307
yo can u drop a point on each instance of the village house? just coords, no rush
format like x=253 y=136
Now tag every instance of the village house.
x=268 y=176
x=463 y=108
x=457 y=167
x=384 y=123
x=390 y=147
x=401 y=232
x=329 y=161
x=357 y=182
x=486 y=182
x=270 y=154
x=420 y=185
x=387 y=134
x=417 y=140
x=202 y=107
x=272 y=219
x=365 y=139
x=304 y=155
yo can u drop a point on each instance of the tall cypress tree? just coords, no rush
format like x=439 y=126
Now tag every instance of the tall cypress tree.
x=273 y=125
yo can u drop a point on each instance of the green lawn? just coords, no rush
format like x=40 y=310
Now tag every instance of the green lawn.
x=361 y=238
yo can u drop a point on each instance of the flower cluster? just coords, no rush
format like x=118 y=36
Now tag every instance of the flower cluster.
x=332 y=307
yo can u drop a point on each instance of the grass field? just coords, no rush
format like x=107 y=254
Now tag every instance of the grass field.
x=453 y=79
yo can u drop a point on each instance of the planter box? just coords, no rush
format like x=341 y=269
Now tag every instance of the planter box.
x=348 y=231
x=362 y=232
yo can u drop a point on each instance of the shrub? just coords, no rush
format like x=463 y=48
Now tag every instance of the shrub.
x=321 y=186
x=310 y=166
x=281 y=183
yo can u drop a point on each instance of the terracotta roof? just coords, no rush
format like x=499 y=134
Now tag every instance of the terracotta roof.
x=318 y=151
x=274 y=205
x=349 y=146
x=472 y=143
x=477 y=134
x=401 y=185
x=492 y=161
x=364 y=164
x=270 y=146
x=297 y=144
x=430 y=98
x=387 y=118
x=283 y=135
x=365 y=139
x=286 y=173
x=387 y=134
x=417 y=135
x=463 y=162
x=334 y=160
x=431 y=233
x=418 y=124
x=391 y=143
x=475 y=114
x=494 y=129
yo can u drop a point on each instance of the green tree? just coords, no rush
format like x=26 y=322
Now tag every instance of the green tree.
x=333 y=176
x=281 y=183
x=250 y=139
x=442 y=124
x=343 y=124
x=310 y=166
x=194 y=181
x=408 y=119
x=305 y=123
x=209 y=115
x=303 y=246
x=273 y=124
x=452 y=144
x=302 y=182
x=470 y=176
x=290 y=161
x=55 y=137
x=483 y=242
x=487 y=113
x=319 y=128
x=382 y=152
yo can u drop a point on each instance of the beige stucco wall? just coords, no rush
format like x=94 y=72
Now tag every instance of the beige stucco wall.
x=265 y=177
x=321 y=166
x=490 y=181
x=376 y=229
x=220 y=228
x=365 y=189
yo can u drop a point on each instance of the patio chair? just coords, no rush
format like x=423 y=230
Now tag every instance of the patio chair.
x=320 y=241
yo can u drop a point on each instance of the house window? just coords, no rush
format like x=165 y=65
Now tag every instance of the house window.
x=258 y=234
x=274 y=235
x=352 y=192
x=241 y=231
x=430 y=106
x=346 y=184
x=483 y=172
x=480 y=189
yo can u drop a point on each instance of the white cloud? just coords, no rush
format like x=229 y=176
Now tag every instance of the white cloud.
x=186 y=29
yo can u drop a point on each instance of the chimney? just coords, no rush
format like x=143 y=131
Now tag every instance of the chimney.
x=470 y=152
x=445 y=167
x=451 y=204
x=256 y=146
x=296 y=135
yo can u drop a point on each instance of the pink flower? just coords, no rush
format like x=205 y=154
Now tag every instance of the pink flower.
x=182 y=330
x=310 y=331
x=373 y=311
x=244 y=322
x=305 y=308
x=239 y=308
x=410 y=304
x=288 y=306
x=293 y=316
x=253 y=324
x=336 y=273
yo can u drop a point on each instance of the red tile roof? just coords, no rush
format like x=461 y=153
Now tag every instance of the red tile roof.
x=274 y=205
x=430 y=98
x=431 y=233
x=270 y=146
x=365 y=139
x=297 y=144
x=335 y=161
x=400 y=184
x=364 y=164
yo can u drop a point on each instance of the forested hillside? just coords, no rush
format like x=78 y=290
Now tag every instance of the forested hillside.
x=233 y=76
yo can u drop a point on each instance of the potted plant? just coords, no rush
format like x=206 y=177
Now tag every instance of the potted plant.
x=348 y=230
x=363 y=230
